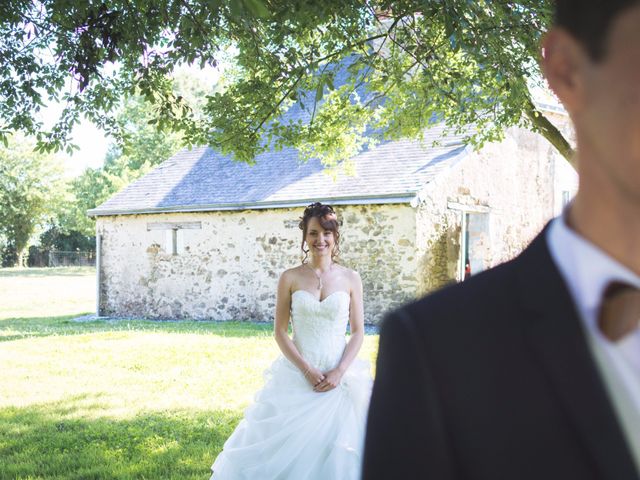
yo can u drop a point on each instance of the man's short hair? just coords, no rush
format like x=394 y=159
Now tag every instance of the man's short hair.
x=589 y=21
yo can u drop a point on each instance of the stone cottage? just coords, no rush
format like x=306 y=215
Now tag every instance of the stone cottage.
x=204 y=237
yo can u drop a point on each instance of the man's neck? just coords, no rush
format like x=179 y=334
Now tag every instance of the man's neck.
x=610 y=224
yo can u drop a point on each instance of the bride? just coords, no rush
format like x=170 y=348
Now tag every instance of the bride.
x=308 y=421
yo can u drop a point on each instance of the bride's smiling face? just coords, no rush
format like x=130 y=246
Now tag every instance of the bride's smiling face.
x=319 y=240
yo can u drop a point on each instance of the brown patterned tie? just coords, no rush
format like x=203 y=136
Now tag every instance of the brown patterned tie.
x=620 y=310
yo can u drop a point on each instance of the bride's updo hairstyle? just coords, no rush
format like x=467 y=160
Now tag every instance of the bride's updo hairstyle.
x=329 y=221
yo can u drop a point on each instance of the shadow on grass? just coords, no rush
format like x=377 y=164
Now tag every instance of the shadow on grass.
x=48 y=272
x=57 y=441
x=12 y=329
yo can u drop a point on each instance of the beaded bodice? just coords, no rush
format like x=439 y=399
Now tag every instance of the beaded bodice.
x=319 y=327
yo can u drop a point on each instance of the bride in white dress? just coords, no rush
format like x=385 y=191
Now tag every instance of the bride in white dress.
x=308 y=422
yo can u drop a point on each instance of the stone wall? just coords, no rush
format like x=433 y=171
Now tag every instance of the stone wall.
x=515 y=183
x=228 y=269
x=379 y=242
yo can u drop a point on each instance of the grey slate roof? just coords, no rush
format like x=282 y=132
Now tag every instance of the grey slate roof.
x=202 y=179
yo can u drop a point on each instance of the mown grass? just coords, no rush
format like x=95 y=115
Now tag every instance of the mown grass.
x=119 y=399
x=45 y=292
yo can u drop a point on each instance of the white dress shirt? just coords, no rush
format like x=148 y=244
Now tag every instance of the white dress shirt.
x=587 y=270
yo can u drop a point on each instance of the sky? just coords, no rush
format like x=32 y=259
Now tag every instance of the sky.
x=92 y=142
x=93 y=147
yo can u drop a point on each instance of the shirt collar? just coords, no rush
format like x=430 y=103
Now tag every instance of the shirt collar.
x=586 y=268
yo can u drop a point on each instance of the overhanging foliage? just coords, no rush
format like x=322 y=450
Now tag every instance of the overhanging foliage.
x=468 y=62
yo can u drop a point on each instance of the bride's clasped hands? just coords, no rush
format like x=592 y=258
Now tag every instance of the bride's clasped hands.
x=323 y=382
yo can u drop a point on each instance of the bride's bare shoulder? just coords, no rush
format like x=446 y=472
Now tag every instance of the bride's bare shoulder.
x=288 y=279
x=352 y=276
x=292 y=273
x=346 y=270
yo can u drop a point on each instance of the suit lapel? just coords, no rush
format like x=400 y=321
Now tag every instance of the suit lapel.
x=558 y=340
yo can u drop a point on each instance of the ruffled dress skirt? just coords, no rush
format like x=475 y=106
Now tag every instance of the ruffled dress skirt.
x=291 y=432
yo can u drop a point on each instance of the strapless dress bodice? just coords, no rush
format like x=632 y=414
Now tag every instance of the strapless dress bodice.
x=319 y=326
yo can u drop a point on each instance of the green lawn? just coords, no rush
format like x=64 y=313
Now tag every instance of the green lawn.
x=117 y=400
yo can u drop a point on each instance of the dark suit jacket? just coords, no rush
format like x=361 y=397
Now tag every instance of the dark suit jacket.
x=492 y=379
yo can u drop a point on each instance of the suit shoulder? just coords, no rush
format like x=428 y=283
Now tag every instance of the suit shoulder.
x=479 y=294
x=488 y=299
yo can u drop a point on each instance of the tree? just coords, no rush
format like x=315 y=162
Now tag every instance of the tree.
x=55 y=239
x=360 y=70
x=30 y=190
x=144 y=147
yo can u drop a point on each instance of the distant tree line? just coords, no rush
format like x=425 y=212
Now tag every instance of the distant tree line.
x=41 y=211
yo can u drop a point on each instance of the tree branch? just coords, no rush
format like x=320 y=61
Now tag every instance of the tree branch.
x=550 y=132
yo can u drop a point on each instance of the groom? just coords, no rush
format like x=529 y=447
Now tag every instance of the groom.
x=531 y=370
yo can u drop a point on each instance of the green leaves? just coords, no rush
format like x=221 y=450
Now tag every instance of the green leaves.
x=143 y=147
x=257 y=7
x=468 y=61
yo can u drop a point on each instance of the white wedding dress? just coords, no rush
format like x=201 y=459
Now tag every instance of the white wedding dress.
x=291 y=432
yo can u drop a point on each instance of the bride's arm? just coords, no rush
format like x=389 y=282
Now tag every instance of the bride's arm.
x=281 y=331
x=356 y=323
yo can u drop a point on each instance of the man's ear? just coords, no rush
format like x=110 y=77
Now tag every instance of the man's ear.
x=564 y=63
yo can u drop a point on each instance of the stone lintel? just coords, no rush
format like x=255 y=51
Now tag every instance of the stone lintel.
x=174 y=226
